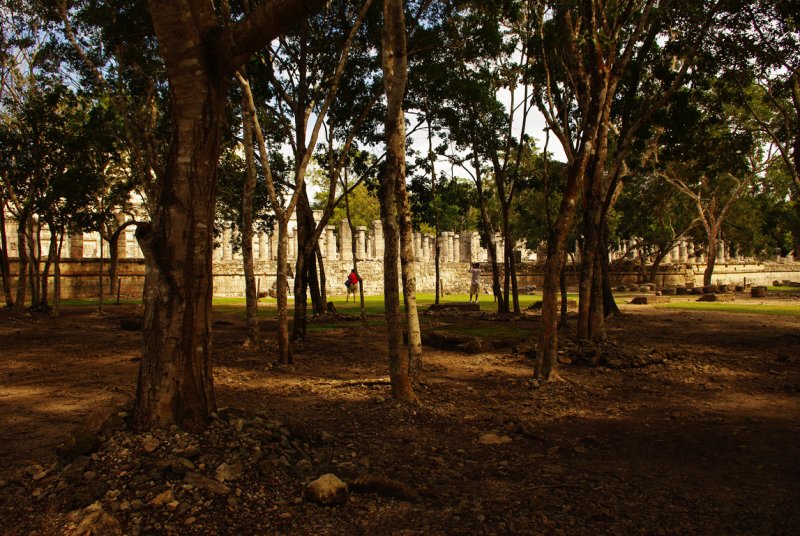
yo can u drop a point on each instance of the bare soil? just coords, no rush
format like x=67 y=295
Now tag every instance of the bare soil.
x=706 y=441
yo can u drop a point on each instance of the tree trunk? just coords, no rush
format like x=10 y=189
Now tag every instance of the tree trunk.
x=52 y=251
x=408 y=267
x=323 y=291
x=22 y=271
x=34 y=259
x=5 y=265
x=491 y=245
x=248 y=192
x=563 y=288
x=175 y=385
x=395 y=73
x=284 y=349
x=57 y=274
x=306 y=240
x=711 y=258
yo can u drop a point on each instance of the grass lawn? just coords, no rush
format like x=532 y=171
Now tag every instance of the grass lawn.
x=755 y=309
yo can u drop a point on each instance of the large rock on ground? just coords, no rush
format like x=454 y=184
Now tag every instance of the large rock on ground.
x=327 y=490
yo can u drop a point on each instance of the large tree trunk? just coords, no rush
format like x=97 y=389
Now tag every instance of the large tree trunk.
x=248 y=193
x=395 y=73
x=175 y=384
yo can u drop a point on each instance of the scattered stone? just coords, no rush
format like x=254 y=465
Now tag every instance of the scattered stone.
x=97 y=522
x=327 y=490
x=163 y=498
x=208 y=484
x=150 y=443
x=494 y=439
x=303 y=468
x=228 y=472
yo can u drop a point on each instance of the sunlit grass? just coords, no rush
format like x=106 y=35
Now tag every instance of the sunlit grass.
x=754 y=309
x=784 y=289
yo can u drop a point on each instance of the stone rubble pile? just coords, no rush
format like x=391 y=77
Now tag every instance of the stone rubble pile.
x=240 y=472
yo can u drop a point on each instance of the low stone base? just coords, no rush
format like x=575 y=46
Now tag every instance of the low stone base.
x=725 y=297
x=649 y=300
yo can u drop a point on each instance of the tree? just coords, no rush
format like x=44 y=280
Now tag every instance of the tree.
x=394 y=206
x=200 y=57
x=591 y=86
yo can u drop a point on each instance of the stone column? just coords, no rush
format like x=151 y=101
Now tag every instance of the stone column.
x=456 y=248
x=682 y=251
x=226 y=243
x=273 y=245
x=418 y=246
x=444 y=250
x=361 y=242
x=674 y=253
x=330 y=243
x=721 y=251
x=75 y=245
x=262 y=246
x=377 y=241
x=292 y=244
x=425 y=248
x=345 y=242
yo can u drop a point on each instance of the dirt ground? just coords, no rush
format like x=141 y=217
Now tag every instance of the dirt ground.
x=704 y=441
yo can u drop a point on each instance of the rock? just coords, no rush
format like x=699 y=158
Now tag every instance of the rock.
x=80 y=442
x=205 y=483
x=327 y=490
x=228 y=472
x=150 y=443
x=97 y=523
x=494 y=439
x=303 y=468
x=163 y=498
x=189 y=520
x=385 y=487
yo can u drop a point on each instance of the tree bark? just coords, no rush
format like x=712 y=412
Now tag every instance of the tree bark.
x=408 y=268
x=22 y=270
x=395 y=72
x=5 y=265
x=248 y=193
x=175 y=383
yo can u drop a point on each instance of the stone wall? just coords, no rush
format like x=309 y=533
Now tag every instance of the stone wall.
x=80 y=279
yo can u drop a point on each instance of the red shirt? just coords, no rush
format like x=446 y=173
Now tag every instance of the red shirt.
x=353 y=278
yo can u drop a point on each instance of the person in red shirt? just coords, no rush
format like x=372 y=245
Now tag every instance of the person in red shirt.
x=352 y=284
